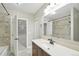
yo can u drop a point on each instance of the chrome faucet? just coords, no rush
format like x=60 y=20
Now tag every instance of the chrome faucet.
x=51 y=41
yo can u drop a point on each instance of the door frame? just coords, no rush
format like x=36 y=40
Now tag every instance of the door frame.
x=11 y=37
x=11 y=34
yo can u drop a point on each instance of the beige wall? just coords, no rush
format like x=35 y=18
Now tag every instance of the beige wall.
x=4 y=31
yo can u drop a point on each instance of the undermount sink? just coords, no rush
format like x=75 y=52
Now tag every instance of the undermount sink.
x=47 y=45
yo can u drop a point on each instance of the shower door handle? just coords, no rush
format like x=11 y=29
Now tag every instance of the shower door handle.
x=16 y=39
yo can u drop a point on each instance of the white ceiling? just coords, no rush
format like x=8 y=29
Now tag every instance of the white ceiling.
x=30 y=8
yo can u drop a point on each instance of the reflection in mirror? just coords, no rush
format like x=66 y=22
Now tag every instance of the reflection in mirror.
x=62 y=28
x=45 y=28
x=49 y=28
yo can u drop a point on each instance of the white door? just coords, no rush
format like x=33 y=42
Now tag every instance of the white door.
x=18 y=31
x=14 y=35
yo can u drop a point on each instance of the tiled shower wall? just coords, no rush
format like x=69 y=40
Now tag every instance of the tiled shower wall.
x=4 y=31
x=62 y=28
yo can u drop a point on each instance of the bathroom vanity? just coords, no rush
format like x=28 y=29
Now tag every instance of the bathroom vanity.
x=64 y=26
x=42 y=47
x=38 y=51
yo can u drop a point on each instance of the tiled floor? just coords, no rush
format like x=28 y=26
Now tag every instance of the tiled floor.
x=24 y=51
x=21 y=47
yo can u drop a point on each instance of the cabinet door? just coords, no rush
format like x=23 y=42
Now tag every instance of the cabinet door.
x=37 y=51
x=34 y=50
x=45 y=54
x=40 y=52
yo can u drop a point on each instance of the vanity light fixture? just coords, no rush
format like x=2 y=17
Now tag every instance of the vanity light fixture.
x=52 y=7
x=48 y=9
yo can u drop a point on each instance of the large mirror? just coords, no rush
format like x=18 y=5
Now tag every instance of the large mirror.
x=62 y=28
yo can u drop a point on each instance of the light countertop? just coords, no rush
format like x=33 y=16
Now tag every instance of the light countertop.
x=56 y=49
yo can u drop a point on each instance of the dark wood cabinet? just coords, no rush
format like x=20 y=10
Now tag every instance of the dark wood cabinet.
x=45 y=54
x=40 y=52
x=34 y=50
x=37 y=51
